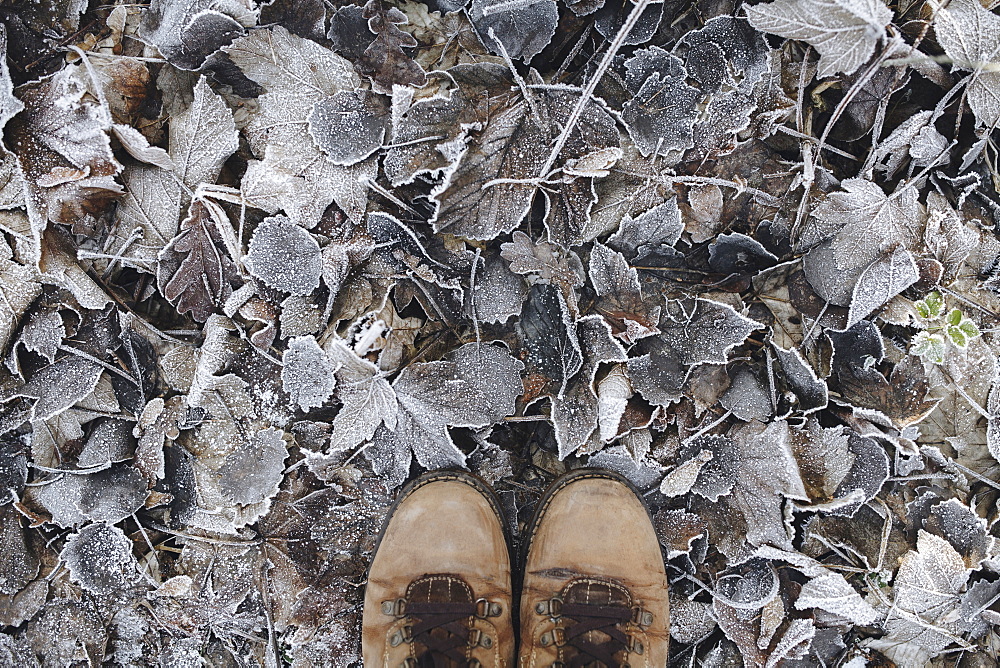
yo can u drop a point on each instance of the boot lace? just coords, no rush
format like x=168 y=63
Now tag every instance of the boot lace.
x=589 y=618
x=442 y=628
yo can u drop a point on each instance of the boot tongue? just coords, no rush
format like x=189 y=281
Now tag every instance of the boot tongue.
x=596 y=592
x=439 y=589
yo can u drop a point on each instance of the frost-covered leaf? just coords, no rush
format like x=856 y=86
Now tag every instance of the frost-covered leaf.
x=862 y=224
x=60 y=385
x=547 y=261
x=523 y=29
x=549 y=335
x=63 y=151
x=348 y=126
x=284 y=256
x=766 y=474
x=307 y=374
x=186 y=33
x=832 y=593
x=692 y=332
x=925 y=590
x=252 y=471
x=661 y=116
x=747 y=397
x=868 y=223
x=575 y=411
x=648 y=232
x=385 y=61
x=202 y=137
x=881 y=281
x=475 y=386
x=427 y=135
x=970 y=35
x=620 y=297
x=19 y=287
x=810 y=390
x=194 y=271
x=368 y=399
x=295 y=175
x=844 y=33
x=490 y=191
x=716 y=465
x=10 y=106
x=946 y=236
x=963 y=528
x=99 y=557
x=498 y=293
x=613 y=393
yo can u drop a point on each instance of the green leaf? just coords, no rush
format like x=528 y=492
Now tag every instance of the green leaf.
x=954 y=317
x=923 y=310
x=969 y=328
x=935 y=304
x=929 y=346
x=957 y=336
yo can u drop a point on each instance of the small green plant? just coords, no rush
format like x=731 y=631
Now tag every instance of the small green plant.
x=955 y=327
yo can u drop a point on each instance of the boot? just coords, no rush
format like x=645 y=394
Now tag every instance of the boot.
x=439 y=592
x=595 y=589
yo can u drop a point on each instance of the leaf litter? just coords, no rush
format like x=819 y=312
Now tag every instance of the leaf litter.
x=261 y=264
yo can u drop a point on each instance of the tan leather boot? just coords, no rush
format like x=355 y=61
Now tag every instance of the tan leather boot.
x=595 y=588
x=439 y=592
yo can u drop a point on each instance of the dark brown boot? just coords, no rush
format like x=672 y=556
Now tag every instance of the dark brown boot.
x=439 y=592
x=595 y=588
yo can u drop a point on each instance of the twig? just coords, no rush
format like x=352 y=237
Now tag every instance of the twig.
x=591 y=86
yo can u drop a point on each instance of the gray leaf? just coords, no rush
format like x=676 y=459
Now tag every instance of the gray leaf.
x=660 y=118
x=252 y=472
x=881 y=281
x=99 y=557
x=844 y=32
x=498 y=292
x=549 y=334
x=524 y=29
x=307 y=373
x=348 y=126
x=649 y=231
x=284 y=256
x=368 y=399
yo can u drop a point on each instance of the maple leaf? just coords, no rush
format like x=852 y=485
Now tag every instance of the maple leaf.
x=294 y=174
x=865 y=223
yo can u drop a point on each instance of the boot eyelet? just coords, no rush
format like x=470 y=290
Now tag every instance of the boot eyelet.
x=396 y=608
x=475 y=636
x=484 y=607
x=486 y=642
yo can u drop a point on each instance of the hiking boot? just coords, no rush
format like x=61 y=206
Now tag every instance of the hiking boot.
x=439 y=592
x=595 y=588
